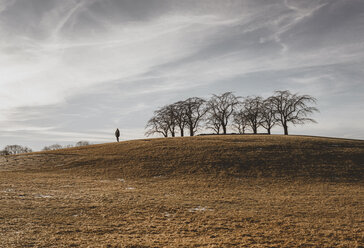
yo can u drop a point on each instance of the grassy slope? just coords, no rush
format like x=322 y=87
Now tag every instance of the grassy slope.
x=238 y=155
x=185 y=192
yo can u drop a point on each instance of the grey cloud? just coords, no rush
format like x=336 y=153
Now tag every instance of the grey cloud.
x=336 y=23
x=249 y=47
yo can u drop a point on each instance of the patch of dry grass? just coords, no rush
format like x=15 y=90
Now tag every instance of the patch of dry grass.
x=228 y=191
x=51 y=210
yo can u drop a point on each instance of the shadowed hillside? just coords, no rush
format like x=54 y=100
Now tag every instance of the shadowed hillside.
x=237 y=155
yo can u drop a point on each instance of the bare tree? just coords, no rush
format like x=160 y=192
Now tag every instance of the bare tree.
x=194 y=109
x=16 y=149
x=220 y=109
x=268 y=114
x=180 y=116
x=157 y=125
x=253 y=112
x=169 y=114
x=240 y=121
x=52 y=147
x=83 y=143
x=293 y=108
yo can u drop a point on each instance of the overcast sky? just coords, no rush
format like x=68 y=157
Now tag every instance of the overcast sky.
x=75 y=70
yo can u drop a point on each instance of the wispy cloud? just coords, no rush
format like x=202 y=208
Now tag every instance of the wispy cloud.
x=71 y=66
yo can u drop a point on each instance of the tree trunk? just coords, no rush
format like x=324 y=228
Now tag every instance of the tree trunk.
x=255 y=130
x=173 y=134
x=191 y=131
x=268 y=130
x=224 y=129
x=182 y=133
x=285 y=129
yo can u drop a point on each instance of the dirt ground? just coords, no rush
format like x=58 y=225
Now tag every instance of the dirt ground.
x=59 y=209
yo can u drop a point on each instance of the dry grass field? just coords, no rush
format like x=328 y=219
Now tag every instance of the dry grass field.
x=208 y=191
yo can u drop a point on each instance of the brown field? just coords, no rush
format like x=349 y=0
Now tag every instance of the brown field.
x=208 y=191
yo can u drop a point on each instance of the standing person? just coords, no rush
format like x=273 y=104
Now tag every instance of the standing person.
x=117 y=134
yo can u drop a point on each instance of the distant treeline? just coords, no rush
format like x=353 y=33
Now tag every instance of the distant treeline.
x=227 y=110
x=57 y=146
x=17 y=149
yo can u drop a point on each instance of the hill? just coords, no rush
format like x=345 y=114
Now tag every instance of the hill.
x=229 y=155
x=207 y=191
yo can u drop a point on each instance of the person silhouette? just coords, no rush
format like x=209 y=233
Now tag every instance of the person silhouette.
x=117 y=134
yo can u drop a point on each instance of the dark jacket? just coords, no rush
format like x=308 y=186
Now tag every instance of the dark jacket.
x=117 y=133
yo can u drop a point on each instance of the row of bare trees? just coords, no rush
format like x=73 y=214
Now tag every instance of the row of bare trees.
x=222 y=111
x=58 y=146
x=17 y=149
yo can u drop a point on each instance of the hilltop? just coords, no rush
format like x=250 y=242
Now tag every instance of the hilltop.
x=223 y=155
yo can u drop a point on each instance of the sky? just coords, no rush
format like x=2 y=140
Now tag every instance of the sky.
x=76 y=70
